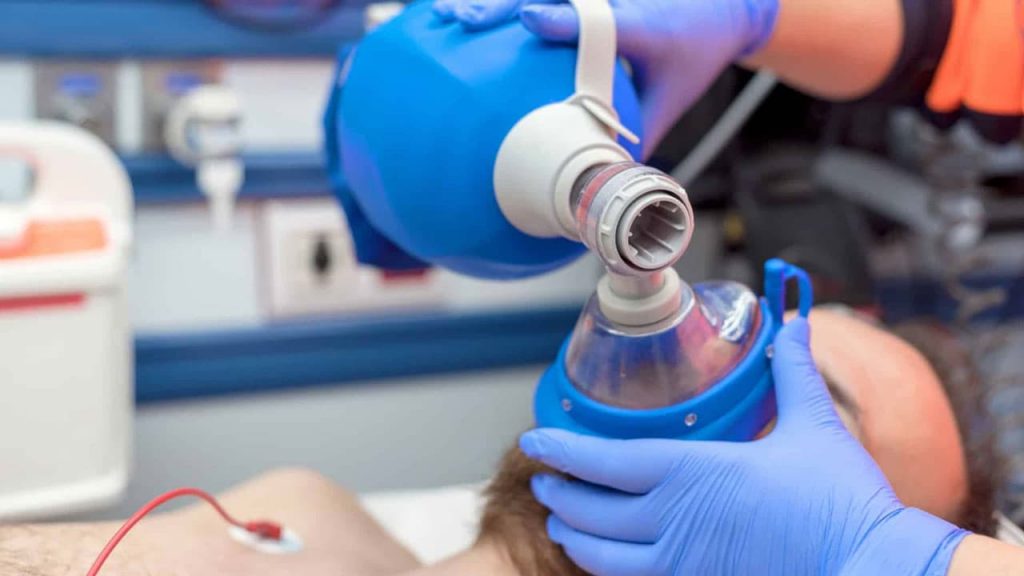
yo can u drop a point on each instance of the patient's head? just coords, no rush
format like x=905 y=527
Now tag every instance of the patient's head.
x=907 y=398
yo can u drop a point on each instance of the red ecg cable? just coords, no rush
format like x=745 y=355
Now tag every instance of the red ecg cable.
x=262 y=529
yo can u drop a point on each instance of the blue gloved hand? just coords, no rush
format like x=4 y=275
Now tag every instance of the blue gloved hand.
x=676 y=47
x=806 y=499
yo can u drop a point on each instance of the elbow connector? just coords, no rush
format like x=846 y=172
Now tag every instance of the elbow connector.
x=635 y=218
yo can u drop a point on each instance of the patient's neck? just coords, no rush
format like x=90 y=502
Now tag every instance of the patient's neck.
x=481 y=558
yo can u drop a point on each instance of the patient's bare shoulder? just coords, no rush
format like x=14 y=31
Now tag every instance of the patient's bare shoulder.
x=61 y=549
x=339 y=536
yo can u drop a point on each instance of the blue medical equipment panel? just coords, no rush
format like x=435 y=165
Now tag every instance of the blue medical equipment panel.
x=176 y=28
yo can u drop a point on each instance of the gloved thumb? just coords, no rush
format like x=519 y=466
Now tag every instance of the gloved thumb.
x=659 y=101
x=555 y=22
x=634 y=466
x=478 y=14
x=560 y=23
x=799 y=388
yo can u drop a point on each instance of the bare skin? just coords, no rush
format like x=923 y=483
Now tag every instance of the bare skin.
x=892 y=401
x=865 y=365
x=981 y=555
x=838 y=50
x=341 y=540
x=193 y=542
x=339 y=537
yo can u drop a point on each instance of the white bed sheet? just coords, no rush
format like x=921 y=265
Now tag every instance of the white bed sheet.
x=433 y=523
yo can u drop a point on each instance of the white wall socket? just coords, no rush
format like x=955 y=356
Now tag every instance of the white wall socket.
x=309 y=265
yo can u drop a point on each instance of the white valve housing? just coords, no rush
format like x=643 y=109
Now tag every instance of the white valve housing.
x=547 y=151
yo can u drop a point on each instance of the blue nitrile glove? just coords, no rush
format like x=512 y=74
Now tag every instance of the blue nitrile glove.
x=806 y=499
x=676 y=47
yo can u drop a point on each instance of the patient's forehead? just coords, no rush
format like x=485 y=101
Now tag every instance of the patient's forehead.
x=901 y=412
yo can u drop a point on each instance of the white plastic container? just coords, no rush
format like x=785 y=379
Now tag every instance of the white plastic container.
x=65 y=344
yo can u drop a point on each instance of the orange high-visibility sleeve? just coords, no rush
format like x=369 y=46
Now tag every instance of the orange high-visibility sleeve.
x=946 y=92
x=982 y=67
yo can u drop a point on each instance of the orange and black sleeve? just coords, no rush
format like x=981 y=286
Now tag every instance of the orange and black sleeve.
x=962 y=59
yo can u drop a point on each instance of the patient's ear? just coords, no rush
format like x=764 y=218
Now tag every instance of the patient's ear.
x=517 y=523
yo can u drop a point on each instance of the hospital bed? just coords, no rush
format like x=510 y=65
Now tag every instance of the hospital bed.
x=435 y=523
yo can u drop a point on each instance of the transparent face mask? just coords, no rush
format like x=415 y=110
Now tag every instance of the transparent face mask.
x=669 y=362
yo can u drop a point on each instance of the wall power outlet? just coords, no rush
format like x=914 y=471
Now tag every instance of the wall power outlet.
x=310 y=266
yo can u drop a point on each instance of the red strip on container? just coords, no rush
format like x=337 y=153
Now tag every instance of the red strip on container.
x=34 y=302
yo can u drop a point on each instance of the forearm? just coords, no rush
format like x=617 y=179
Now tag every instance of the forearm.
x=339 y=537
x=64 y=549
x=981 y=555
x=839 y=50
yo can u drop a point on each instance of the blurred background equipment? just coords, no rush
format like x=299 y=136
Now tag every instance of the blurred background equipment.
x=270 y=321
x=890 y=214
x=202 y=132
x=274 y=322
x=67 y=362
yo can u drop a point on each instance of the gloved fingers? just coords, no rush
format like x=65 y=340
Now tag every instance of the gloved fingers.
x=444 y=9
x=556 y=20
x=602 y=557
x=659 y=106
x=799 y=389
x=588 y=508
x=559 y=23
x=634 y=466
x=484 y=14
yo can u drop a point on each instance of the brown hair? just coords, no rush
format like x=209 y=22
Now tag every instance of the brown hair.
x=960 y=378
x=515 y=522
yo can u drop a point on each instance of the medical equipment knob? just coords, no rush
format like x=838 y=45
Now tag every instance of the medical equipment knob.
x=636 y=218
x=203 y=130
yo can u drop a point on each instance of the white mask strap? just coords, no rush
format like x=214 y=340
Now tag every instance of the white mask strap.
x=595 y=64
